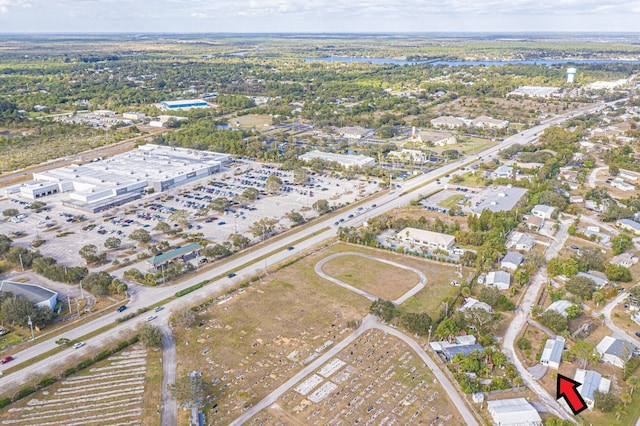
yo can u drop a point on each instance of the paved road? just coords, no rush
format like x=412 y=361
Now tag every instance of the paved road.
x=150 y=296
x=593 y=174
x=368 y=323
x=419 y=286
x=617 y=331
x=530 y=297
x=169 y=412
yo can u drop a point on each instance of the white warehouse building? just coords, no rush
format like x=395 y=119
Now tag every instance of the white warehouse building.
x=103 y=184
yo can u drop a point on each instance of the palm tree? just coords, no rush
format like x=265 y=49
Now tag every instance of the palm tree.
x=626 y=398
x=619 y=411
x=633 y=382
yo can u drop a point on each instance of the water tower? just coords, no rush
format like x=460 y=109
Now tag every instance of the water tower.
x=571 y=73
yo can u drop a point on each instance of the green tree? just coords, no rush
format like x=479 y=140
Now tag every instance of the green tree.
x=273 y=184
x=604 y=401
x=188 y=390
x=296 y=217
x=141 y=235
x=523 y=343
x=582 y=287
x=554 y=320
x=181 y=217
x=321 y=206
x=573 y=311
x=417 y=323
x=620 y=243
x=5 y=245
x=219 y=204
x=112 y=242
x=250 y=194
x=263 y=227
x=10 y=212
x=239 y=241
x=163 y=227
x=617 y=273
x=383 y=309
x=16 y=310
x=89 y=253
x=151 y=336
x=301 y=176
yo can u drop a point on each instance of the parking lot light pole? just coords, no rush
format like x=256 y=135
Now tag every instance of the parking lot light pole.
x=33 y=337
x=81 y=290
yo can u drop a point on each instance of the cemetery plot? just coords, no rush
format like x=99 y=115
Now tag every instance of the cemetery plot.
x=375 y=380
x=110 y=393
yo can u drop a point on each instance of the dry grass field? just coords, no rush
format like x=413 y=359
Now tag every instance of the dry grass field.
x=375 y=380
x=382 y=280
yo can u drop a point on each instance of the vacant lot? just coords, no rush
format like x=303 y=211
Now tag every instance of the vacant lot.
x=115 y=391
x=385 y=281
x=451 y=201
x=375 y=380
x=260 y=122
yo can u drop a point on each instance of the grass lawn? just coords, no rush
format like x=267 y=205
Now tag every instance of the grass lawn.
x=472 y=180
x=152 y=398
x=252 y=120
x=385 y=281
x=451 y=201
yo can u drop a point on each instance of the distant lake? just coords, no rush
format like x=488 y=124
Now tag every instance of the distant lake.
x=380 y=61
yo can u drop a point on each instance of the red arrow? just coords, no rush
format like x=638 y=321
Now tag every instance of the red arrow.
x=566 y=389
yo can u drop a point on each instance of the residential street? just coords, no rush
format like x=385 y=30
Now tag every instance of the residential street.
x=537 y=282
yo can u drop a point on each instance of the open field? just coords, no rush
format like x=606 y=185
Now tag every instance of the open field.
x=263 y=334
x=259 y=122
x=258 y=344
x=385 y=281
x=376 y=379
x=115 y=391
x=451 y=201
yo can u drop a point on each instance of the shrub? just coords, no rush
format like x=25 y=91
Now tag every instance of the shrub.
x=523 y=344
x=84 y=364
x=69 y=371
x=47 y=381
x=24 y=392
x=4 y=402
x=192 y=288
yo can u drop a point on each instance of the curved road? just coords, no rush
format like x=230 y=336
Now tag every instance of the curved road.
x=368 y=323
x=398 y=301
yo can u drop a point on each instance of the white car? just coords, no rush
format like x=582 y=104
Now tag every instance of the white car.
x=78 y=345
x=151 y=317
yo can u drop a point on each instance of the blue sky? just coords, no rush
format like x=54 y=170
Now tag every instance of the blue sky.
x=318 y=15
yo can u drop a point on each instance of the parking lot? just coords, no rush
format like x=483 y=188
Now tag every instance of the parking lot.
x=65 y=230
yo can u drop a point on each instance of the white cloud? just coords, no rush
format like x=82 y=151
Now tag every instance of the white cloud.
x=7 y=5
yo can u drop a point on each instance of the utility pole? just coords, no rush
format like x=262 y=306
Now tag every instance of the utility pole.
x=81 y=290
x=69 y=301
x=21 y=264
x=33 y=337
x=78 y=307
x=429 y=339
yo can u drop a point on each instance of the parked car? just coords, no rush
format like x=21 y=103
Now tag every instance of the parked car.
x=122 y=308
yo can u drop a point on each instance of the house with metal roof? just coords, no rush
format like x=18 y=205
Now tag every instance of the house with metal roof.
x=471 y=303
x=597 y=277
x=552 y=352
x=500 y=279
x=629 y=225
x=591 y=381
x=451 y=351
x=560 y=306
x=513 y=412
x=615 y=351
x=36 y=294
x=511 y=260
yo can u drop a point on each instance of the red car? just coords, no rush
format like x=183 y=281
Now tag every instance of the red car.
x=6 y=360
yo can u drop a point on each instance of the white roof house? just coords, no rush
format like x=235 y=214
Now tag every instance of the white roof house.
x=353 y=132
x=500 y=279
x=38 y=295
x=489 y=123
x=591 y=381
x=471 y=303
x=513 y=412
x=629 y=225
x=597 y=277
x=625 y=259
x=615 y=351
x=503 y=172
x=552 y=352
x=435 y=138
x=543 y=211
x=427 y=239
x=511 y=260
x=560 y=306
x=448 y=122
x=345 y=160
x=415 y=155
x=520 y=241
